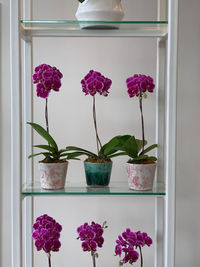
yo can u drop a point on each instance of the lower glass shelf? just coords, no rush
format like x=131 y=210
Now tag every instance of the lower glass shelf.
x=115 y=188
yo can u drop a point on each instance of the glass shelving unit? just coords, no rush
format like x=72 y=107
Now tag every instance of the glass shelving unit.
x=165 y=33
x=32 y=28
x=115 y=188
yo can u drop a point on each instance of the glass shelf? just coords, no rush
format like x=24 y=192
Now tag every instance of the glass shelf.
x=93 y=28
x=115 y=188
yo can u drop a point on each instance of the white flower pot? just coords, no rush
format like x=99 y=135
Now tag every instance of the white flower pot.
x=140 y=176
x=53 y=175
x=100 y=10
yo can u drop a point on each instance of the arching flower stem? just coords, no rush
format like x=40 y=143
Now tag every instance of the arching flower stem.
x=46 y=115
x=141 y=258
x=142 y=119
x=95 y=126
x=49 y=258
x=93 y=258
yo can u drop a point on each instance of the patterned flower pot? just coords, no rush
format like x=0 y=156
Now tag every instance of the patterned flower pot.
x=98 y=174
x=140 y=176
x=100 y=10
x=53 y=175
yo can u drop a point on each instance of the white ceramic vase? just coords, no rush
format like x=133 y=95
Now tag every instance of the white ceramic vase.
x=53 y=175
x=140 y=176
x=100 y=10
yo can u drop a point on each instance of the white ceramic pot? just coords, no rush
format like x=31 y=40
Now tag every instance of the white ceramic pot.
x=140 y=176
x=53 y=175
x=107 y=10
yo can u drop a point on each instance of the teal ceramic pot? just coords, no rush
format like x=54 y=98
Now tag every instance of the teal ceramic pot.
x=98 y=174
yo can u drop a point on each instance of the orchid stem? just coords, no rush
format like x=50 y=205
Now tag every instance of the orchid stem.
x=93 y=258
x=141 y=256
x=49 y=259
x=142 y=118
x=95 y=126
x=46 y=115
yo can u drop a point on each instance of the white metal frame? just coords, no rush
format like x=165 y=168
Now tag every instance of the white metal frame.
x=165 y=137
x=27 y=168
x=171 y=133
x=15 y=135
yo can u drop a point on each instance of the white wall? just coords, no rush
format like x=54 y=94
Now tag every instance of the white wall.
x=188 y=182
x=118 y=111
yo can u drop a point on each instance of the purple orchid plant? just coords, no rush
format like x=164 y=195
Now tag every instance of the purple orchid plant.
x=128 y=243
x=91 y=236
x=138 y=85
x=95 y=83
x=48 y=78
x=46 y=235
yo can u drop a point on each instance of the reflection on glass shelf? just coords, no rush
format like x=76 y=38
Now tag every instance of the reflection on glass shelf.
x=115 y=188
x=94 y=28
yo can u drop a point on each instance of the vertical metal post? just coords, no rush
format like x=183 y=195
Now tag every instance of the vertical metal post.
x=160 y=137
x=16 y=242
x=160 y=109
x=171 y=133
x=27 y=150
x=159 y=231
x=27 y=138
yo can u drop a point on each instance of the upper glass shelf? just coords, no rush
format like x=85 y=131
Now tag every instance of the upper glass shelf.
x=115 y=188
x=76 y=28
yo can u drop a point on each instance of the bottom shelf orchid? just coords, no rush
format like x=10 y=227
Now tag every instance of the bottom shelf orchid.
x=128 y=243
x=46 y=235
x=92 y=238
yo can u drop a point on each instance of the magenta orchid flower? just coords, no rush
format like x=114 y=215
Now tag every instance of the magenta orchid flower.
x=91 y=237
x=128 y=243
x=47 y=78
x=46 y=235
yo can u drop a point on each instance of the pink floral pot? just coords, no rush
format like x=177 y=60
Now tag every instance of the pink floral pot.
x=141 y=176
x=53 y=175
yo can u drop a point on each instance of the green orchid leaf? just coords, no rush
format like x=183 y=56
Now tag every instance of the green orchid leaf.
x=41 y=131
x=64 y=155
x=46 y=147
x=114 y=145
x=139 y=144
x=152 y=158
x=149 y=149
x=41 y=153
x=62 y=151
x=77 y=149
x=73 y=154
x=143 y=157
x=130 y=147
x=117 y=154
x=123 y=142
x=110 y=147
